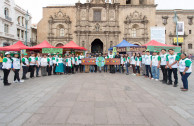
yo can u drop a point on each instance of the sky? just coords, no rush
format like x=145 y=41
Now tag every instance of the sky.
x=35 y=6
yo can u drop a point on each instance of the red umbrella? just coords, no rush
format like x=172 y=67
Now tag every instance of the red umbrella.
x=16 y=47
x=44 y=44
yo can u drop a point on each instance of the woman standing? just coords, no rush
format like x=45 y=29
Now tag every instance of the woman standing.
x=76 y=63
x=59 y=68
x=133 y=63
x=50 y=65
x=16 y=68
x=32 y=66
x=138 y=60
x=123 y=59
x=7 y=63
x=38 y=59
x=185 y=68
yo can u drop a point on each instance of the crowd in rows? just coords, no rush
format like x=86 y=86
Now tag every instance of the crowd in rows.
x=142 y=64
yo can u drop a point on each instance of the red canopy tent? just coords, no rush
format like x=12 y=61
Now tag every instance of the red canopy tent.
x=44 y=44
x=155 y=43
x=16 y=47
x=72 y=45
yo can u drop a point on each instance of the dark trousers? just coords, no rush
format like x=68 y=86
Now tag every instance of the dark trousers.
x=185 y=79
x=76 y=68
x=122 y=68
x=32 y=70
x=174 y=71
x=117 y=69
x=148 y=70
x=16 y=75
x=25 y=71
x=95 y=68
x=112 y=69
x=165 y=73
x=72 y=69
x=134 y=69
x=68 y=69
x=138 y=69
x=37 y=70
x=54 y=67
x=81 y=68
x=49 y=70
x=6 y=74
x=105 y=68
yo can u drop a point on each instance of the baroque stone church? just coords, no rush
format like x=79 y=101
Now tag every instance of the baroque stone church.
x=98 y=24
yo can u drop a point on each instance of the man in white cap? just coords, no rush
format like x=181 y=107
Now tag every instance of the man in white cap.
x=16 y=68
x=7 y=63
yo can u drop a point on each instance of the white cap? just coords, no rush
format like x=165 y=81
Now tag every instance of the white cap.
x=7 y=53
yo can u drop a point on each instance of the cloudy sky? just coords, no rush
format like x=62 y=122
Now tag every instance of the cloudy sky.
x=35 y=6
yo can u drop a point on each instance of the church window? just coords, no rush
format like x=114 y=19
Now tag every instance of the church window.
x=190 y=21
x=62 y=32
x=128 y=1
x=190 y=46
x=141 y=1
x=134 y=33
x=111 y=44
x=83 y=44
x=97 y=15
x=6 y=12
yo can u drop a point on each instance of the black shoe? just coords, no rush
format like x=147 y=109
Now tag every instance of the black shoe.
x=7 y=84
x=127 y=73
x=176 y=85
x=37 y=76
x=25 y=78
x=169 y=83
x=164 y=82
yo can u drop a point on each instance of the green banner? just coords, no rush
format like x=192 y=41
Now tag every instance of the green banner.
x=52 y=50
x=159 y=48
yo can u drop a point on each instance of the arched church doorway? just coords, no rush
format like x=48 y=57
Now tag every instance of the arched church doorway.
x=97 y=46
x=59 y=45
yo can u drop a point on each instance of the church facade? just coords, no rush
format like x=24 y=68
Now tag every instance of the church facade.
x=98 y=24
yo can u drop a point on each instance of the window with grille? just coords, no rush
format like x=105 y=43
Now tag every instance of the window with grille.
x=97 y=15
x=134 y=35
x=190 y=32
x=128 y=1
x=6 y=11
x=190 y=46
x=18 y=33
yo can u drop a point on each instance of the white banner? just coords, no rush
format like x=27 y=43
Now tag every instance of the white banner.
x=158 y=34
x=180 y=28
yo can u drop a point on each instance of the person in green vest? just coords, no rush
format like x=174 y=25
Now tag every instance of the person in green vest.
x=7 y=64
x=143 y=63
x=185 y=68
x=123 y=62
x=68 y=64
x=25 y=66
x=60 y=67
x=138 y=61
x=172 y=62
x=32 y=61
x=112 y=69
x=155 y=65
x=38 y=59
x=127 y=63
x=54 y=62
x=76 y=63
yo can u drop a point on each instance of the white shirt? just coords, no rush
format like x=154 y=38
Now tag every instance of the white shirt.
x=7 y=65
x=44 y=62
x=16 y=63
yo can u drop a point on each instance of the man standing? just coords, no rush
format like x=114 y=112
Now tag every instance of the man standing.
x=118 y=57
x=38 y=59
x=7 y=63
x=54 y=63
x=25 y=66
x=112 y=69
x=172 y=61
x=148 y=60
x=164 y=66
x=50 y=65
x=155 y=65
x=143 y=64
x=32 y=61
x=73 y=63
x=80 y=61
x=68 y=64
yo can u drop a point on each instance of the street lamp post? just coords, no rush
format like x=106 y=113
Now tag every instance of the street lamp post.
x=176 y=21
x=26 y=20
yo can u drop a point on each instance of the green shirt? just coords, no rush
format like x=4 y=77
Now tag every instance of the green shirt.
x=4 y=60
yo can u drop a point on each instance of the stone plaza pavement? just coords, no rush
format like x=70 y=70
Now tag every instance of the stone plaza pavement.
x=95 y=99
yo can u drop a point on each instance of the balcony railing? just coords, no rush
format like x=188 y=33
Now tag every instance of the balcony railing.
x=8 y=18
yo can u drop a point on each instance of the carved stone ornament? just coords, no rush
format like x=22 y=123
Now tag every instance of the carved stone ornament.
x=61 y=16
x=97 y=1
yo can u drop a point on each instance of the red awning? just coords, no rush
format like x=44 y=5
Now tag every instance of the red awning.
x=44 y=44
x=72 y=45
x=16 y=47
x=155 y=43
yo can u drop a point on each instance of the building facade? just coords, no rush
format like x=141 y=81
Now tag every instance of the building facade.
x=13 y=24
x=98 y=24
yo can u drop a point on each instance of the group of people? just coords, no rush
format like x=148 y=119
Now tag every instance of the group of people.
x=142 y=64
